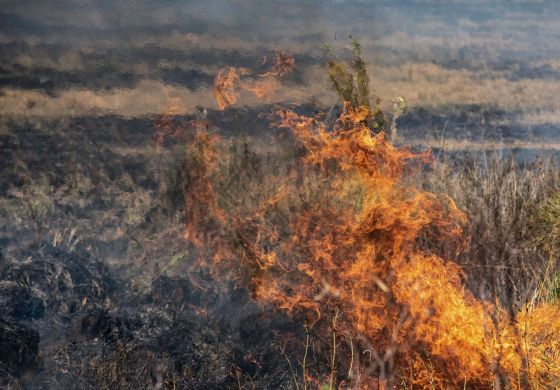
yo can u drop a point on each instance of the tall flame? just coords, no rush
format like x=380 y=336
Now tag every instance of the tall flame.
x=340 y=232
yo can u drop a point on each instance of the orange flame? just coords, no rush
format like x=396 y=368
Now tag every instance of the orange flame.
x=228 y=81
x=341 y=232
x=224 y=87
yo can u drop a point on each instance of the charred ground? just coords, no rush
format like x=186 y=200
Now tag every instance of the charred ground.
x=96 y=286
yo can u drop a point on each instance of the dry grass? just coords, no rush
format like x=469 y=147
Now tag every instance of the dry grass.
x=503 y=199
x=423 y=85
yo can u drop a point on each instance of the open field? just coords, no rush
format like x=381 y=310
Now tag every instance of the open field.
x=163 y=226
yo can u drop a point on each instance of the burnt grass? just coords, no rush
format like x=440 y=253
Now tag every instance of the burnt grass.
x=71 y=317
x=62 y=331
x=95 y=286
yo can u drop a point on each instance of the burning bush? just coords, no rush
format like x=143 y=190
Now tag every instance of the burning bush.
x=325 y=225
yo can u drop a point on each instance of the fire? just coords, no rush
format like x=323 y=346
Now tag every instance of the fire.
x=228 y=84
x=230 y=81
x=224 y=87
x=339 y=233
